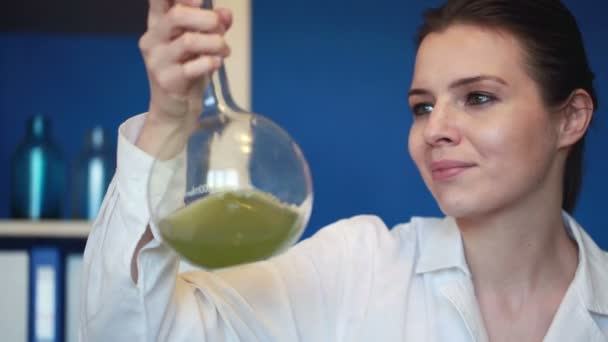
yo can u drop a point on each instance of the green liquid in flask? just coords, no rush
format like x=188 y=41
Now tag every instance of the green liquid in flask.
x=230 y=228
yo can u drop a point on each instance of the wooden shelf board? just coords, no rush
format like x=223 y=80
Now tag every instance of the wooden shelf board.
x=44 y=229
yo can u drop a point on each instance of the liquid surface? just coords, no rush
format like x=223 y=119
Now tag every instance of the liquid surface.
x=231 y=228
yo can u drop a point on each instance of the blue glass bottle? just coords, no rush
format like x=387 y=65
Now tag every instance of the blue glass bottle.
x=93 y=172
x=37 y=174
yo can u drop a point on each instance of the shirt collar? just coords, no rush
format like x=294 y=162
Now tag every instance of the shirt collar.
x=591 y=277
x=441 y=247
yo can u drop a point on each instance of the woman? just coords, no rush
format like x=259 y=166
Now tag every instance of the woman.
x=498 y=138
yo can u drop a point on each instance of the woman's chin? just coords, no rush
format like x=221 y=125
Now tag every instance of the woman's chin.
x=468 y=209
x=459 y=208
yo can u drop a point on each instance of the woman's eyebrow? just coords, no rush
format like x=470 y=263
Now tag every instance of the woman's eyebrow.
x=468 y=80
x=418 y=91
x=459 y=83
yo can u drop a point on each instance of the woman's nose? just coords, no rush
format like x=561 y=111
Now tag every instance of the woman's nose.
x=441 y=128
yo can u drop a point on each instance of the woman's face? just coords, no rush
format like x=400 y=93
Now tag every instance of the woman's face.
x=481 y=138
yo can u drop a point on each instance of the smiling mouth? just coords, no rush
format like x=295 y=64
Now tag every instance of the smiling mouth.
x=447 y=169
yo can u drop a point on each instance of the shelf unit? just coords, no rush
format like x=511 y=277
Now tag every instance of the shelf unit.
x=17 y=240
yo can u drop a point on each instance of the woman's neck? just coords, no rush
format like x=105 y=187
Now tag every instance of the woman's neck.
x=518 y=249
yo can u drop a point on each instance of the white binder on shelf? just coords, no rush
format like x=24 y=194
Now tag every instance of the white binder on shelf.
x=14 y=293
x=73 y=279
x=45 y=316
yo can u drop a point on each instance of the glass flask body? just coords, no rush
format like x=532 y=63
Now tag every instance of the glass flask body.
x=240 y=190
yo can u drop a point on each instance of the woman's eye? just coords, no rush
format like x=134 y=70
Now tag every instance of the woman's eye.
x=422 y=109
x=476 y=99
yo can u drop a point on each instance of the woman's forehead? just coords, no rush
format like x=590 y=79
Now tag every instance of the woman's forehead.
x=461 y=51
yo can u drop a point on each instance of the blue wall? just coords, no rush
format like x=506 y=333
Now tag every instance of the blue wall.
x=334 y=74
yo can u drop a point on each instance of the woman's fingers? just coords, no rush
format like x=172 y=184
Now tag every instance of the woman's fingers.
x=182 y=18
x=225 y=16
x=183 y=45
x=187 y=46
x=157 y=8
x=176 y=77
x=200 y=66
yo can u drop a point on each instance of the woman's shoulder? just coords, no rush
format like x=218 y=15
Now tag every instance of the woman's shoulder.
x=371 y=233
x=372 y=226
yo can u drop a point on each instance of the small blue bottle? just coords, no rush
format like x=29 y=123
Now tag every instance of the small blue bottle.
x=93 y=172
x=37 y=174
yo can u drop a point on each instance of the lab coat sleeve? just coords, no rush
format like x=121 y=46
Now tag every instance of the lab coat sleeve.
x=312 y=292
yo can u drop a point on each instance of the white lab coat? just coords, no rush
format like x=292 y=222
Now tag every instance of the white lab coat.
x=355 y=280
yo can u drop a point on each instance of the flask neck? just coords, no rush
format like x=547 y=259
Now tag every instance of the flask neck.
x=217 y=97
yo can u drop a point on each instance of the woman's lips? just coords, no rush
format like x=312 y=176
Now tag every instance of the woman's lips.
x=443 y=170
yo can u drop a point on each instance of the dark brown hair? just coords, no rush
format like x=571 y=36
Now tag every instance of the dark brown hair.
x=555 y=55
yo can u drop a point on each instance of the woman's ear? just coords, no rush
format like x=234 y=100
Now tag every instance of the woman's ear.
x=575 y=118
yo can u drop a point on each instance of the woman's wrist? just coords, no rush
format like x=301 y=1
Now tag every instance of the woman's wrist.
x=163 y=137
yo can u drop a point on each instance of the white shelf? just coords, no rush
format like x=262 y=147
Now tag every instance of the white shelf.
x=44 y=229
